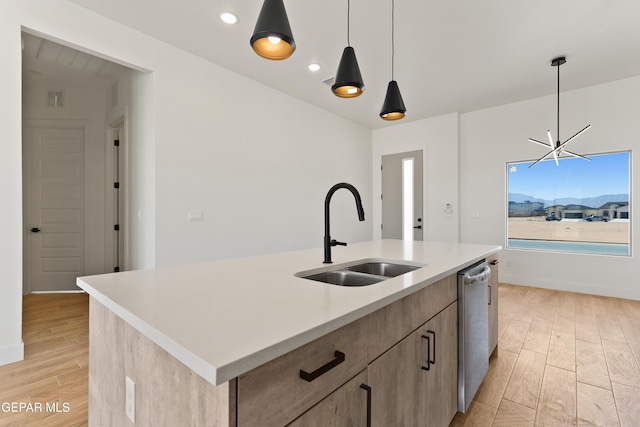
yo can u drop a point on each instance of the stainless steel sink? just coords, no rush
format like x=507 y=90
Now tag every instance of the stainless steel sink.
x=345 y=278
x=382 y=268
x=364 y=273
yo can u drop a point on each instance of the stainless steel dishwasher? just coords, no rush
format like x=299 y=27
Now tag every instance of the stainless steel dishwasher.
x=473 y=331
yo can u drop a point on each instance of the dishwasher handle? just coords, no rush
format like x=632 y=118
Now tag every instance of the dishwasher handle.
x=478 y=278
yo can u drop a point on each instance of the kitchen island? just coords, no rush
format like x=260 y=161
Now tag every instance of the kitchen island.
x=188 y=335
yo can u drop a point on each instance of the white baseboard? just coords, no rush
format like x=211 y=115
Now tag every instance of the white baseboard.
x=13 y=353
x=584 y=288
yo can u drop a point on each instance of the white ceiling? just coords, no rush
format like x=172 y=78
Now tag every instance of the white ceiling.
x=60 y=65
x=451 y=55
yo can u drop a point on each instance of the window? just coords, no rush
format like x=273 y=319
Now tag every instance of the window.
x=407 y=199
x=578 y=206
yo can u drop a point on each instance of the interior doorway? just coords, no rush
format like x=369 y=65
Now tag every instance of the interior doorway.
x=402 y=190
x=70 y=99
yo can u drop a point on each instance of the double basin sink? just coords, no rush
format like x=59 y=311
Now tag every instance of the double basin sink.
x=361 y=274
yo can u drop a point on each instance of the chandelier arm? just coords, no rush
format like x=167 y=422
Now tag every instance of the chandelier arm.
x=554 y=147
x=578 y=133
x=541 y=159
x=539 y=142
x=570 y=153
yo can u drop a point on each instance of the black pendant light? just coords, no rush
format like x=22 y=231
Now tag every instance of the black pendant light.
x=393 y=107
x=348 y=82
x=272 y=37
x=558 y=149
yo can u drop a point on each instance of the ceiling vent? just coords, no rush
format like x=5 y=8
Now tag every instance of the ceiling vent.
x=55 y=98
x=329 y=81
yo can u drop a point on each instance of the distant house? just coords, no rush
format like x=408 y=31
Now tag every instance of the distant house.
x=610 y=210
x=578 y=211
x=614 y=210
x=526 y=208
x=555 y=210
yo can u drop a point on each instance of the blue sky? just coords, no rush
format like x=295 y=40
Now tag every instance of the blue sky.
x=605 y=174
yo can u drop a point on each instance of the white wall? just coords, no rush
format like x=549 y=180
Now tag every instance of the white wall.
x=490 y=138
x=438 y=138
x=11 y=346
x=141 y=173
x=256 y=161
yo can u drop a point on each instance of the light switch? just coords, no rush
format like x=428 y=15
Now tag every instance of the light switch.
x=195 y=215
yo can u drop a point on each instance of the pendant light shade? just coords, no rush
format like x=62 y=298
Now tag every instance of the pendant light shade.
x=348 y=82
x=272 y=37
x=393 y=107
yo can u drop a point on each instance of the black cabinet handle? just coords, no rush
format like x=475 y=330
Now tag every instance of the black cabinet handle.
x=339 y=358
x=419 y=227
x=489 y=294
x=428 y=367
x=368 y=390
x=433 y=361
x=494 y=262
x=35 y=230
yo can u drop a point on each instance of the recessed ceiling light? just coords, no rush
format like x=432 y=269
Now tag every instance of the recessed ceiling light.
x=228 y=18
x=314 y=67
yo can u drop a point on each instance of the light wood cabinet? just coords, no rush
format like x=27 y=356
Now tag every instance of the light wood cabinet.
x=275 y=393
x=350 y=405
x=415 y=382
x=397 y=384
x=392 y=323
x=368 y=372
x=441 y=380
x=493 y=303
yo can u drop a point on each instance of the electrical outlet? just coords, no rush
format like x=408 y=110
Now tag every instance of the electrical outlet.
x=130 y=404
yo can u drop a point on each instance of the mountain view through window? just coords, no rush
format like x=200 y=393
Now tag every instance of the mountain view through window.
x=577 y=206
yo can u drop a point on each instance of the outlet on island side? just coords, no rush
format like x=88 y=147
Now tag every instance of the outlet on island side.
x=130 y=404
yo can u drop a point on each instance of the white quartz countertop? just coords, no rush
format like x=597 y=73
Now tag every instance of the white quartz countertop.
x=224 y=318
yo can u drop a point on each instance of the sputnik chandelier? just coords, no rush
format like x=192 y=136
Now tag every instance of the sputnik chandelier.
x=558 y=149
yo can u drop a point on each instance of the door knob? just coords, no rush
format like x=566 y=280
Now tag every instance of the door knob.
x=35 y=230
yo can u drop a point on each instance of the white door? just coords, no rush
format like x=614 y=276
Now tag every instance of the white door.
x=402 y=196
x=55 y=207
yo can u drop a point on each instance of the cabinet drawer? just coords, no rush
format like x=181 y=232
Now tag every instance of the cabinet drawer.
x=392 y=323
x=347 y=406
x=274 y=394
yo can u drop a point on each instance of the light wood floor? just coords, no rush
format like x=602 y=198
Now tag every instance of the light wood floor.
x=563 y=359
x=55 y=368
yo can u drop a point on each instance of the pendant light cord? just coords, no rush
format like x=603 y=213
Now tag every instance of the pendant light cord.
x=393 y=43
x=348 y=22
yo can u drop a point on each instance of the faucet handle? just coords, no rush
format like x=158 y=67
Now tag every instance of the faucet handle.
x=334 y=242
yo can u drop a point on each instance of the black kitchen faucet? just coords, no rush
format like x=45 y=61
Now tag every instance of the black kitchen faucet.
x=328 y=242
